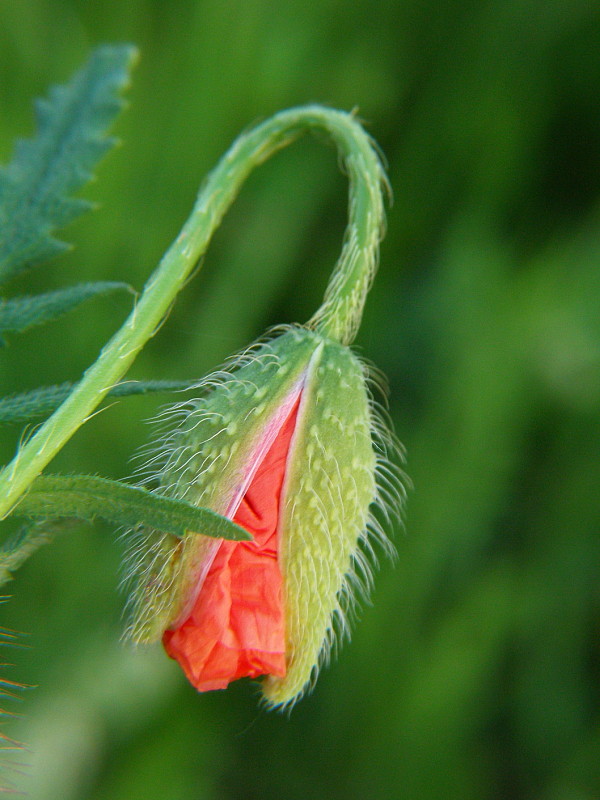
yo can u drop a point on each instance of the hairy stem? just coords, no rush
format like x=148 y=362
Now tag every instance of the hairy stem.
x=338 y=317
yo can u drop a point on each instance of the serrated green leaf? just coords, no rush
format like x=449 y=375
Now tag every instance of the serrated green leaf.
x=17 y=314
x=88 y=496
x=71 y=139
x=28 y=406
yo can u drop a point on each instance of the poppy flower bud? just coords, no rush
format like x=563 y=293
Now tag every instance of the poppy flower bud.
x=287 y=444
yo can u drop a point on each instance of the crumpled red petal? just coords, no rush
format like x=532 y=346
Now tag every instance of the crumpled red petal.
x=237 y=626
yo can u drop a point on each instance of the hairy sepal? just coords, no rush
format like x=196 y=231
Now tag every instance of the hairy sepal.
x=207 y=456
x=330 y=485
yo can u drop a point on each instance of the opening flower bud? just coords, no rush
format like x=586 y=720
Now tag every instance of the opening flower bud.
x=286 y=443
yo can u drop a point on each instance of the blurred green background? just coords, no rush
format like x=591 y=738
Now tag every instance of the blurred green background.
x=475 y=673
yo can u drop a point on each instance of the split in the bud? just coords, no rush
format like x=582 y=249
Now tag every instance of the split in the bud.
x=290 y=445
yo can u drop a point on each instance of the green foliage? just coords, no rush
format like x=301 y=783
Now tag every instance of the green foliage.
x=88 y=497
x=52 y=498
x=35 y=199
x=35 y=187
x=27 y=406
x=20 y=313
x=18 y=548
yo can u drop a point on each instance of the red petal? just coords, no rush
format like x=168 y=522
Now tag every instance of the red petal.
x=237 y=627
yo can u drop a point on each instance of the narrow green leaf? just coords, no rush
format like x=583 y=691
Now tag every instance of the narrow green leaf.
x=88 y=496
x=17 y=549
x=28 y=406
x=70 y=140
x=17 y=314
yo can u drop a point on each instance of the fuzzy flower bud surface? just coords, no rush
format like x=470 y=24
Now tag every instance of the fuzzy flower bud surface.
x=285 y=444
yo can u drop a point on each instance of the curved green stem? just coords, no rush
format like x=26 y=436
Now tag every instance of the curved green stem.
x=338 y=317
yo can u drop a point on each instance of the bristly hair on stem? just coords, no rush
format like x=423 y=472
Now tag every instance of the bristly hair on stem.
x=344 y=299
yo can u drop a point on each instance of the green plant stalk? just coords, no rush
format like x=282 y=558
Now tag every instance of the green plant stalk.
x=338 y=317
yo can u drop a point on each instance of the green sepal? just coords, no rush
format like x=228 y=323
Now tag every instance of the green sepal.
x=206 y=460
x=329 y=486
x=18 y=314
x=40 y=402
x=88 y=497
x=70 y=140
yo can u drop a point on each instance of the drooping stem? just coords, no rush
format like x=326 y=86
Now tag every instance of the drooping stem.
x=338 y=317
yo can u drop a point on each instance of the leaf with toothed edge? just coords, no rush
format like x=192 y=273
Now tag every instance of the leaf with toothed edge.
x=46 y=169
x=18 y=314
